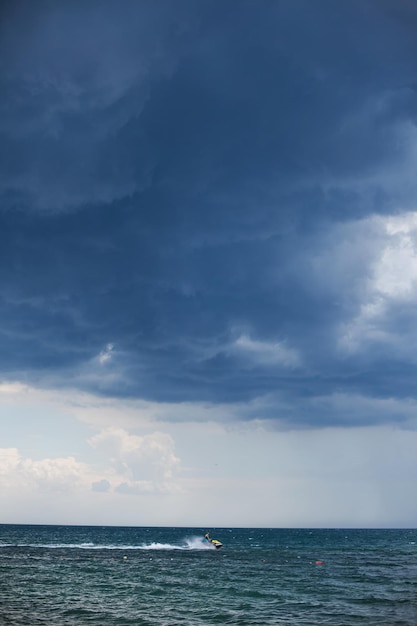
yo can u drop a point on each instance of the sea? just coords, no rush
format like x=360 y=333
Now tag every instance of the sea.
x=84 y=575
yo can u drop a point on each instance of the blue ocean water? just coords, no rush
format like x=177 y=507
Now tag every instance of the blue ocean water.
x=169 y=577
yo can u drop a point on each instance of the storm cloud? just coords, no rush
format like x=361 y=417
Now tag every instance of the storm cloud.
x=212 y=202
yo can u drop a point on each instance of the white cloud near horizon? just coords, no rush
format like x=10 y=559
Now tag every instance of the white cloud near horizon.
x=205 y=472
x=51 y=474
x=146 y=463
x=333 y=477
x=130 y=464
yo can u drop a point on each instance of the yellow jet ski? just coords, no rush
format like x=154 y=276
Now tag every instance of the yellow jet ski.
x=217 y=544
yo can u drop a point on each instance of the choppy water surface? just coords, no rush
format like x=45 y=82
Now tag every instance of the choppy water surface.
x=170 y=577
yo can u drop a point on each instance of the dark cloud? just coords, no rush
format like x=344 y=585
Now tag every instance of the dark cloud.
x=179 y=180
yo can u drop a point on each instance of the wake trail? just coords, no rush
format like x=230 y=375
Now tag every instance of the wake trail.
x=193 y=543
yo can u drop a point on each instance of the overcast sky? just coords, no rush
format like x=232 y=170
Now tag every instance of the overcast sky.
x=208 y=262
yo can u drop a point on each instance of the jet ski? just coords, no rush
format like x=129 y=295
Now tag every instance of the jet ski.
x=215 y=542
